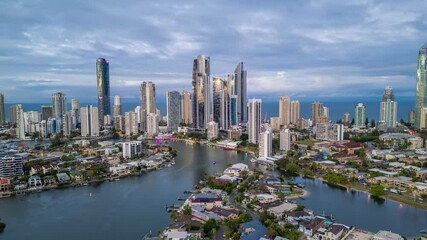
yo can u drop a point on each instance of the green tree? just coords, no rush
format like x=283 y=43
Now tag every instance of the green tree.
x=187 y=210
x=244 y=137
x=210 y=225
x=377 y=190
x=292 y=168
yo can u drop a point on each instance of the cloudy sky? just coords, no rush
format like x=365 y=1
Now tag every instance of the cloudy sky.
x=304 y=49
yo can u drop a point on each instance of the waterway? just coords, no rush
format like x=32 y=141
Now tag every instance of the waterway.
x=355 y=208
x=131 y=207
x=125 y=209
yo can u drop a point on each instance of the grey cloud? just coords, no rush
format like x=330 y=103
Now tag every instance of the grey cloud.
x=337 y=49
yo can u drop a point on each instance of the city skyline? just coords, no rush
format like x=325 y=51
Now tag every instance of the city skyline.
x=65 y=59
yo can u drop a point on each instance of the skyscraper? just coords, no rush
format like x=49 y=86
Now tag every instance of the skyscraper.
x=2 y=114
x=295 y=112
x=234 y=121
x=117 y=107
x=13 y=113
x=152 y=124
x=254 y=120
x=67 y=123
x=173 y=110
x=359 y=115
x=46 y=112
x=284 y=111
x=421 y=87
x=75 y=111
x=240 y=86
x=346 y=118
x=285 y=140
x=201 y=92
x=131 y=123
x=89 y=121
x=103 y=83
x=265 y=144
x=59 y=104
x=220 y=103
x=212 y=130
x=20 y=125
x=148 y=102
x=388 y=108
x=186 y=114
x=316 y=112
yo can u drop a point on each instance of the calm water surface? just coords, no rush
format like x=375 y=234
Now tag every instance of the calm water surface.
x=356 y=208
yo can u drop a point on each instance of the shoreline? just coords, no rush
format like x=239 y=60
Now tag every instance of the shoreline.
x=387 y=196
x=82 y=184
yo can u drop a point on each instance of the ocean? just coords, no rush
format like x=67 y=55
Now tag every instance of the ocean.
x=336 y=108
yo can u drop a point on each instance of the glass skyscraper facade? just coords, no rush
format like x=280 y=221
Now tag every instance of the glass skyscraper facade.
x=103 y=84
x=233 y=110
x=201 y=92
x=173 y=110
x=421 y=89
x=59 y=104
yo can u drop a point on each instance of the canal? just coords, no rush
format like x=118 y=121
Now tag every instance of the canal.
x=131 y=207
x=358 y=209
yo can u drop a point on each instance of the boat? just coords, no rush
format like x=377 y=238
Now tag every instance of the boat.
x=228 y=148
x=117 y=179
x=424 y=231
x=300 y=185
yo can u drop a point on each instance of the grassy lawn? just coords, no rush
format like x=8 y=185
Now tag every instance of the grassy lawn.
x=307 y=142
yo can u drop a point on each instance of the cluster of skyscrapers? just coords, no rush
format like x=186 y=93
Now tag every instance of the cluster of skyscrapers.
x=220 y=107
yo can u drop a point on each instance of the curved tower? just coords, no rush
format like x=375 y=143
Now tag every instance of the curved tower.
x=421 y=89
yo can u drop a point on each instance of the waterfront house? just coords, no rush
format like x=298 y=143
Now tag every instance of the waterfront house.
x=49 y=180
x=335 y=232
x=4 y=184
x=298 y=216
x=420 y=188
x=236 y=169
x=279 y=211
x=310 y=227
x=207 y=201
x=34 y=181
x=63 y=178
x=176 y=235
x=177 y=227
x=76 y=176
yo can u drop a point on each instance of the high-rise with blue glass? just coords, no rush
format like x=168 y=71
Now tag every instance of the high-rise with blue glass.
x=103 y=85
x=421 y=89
